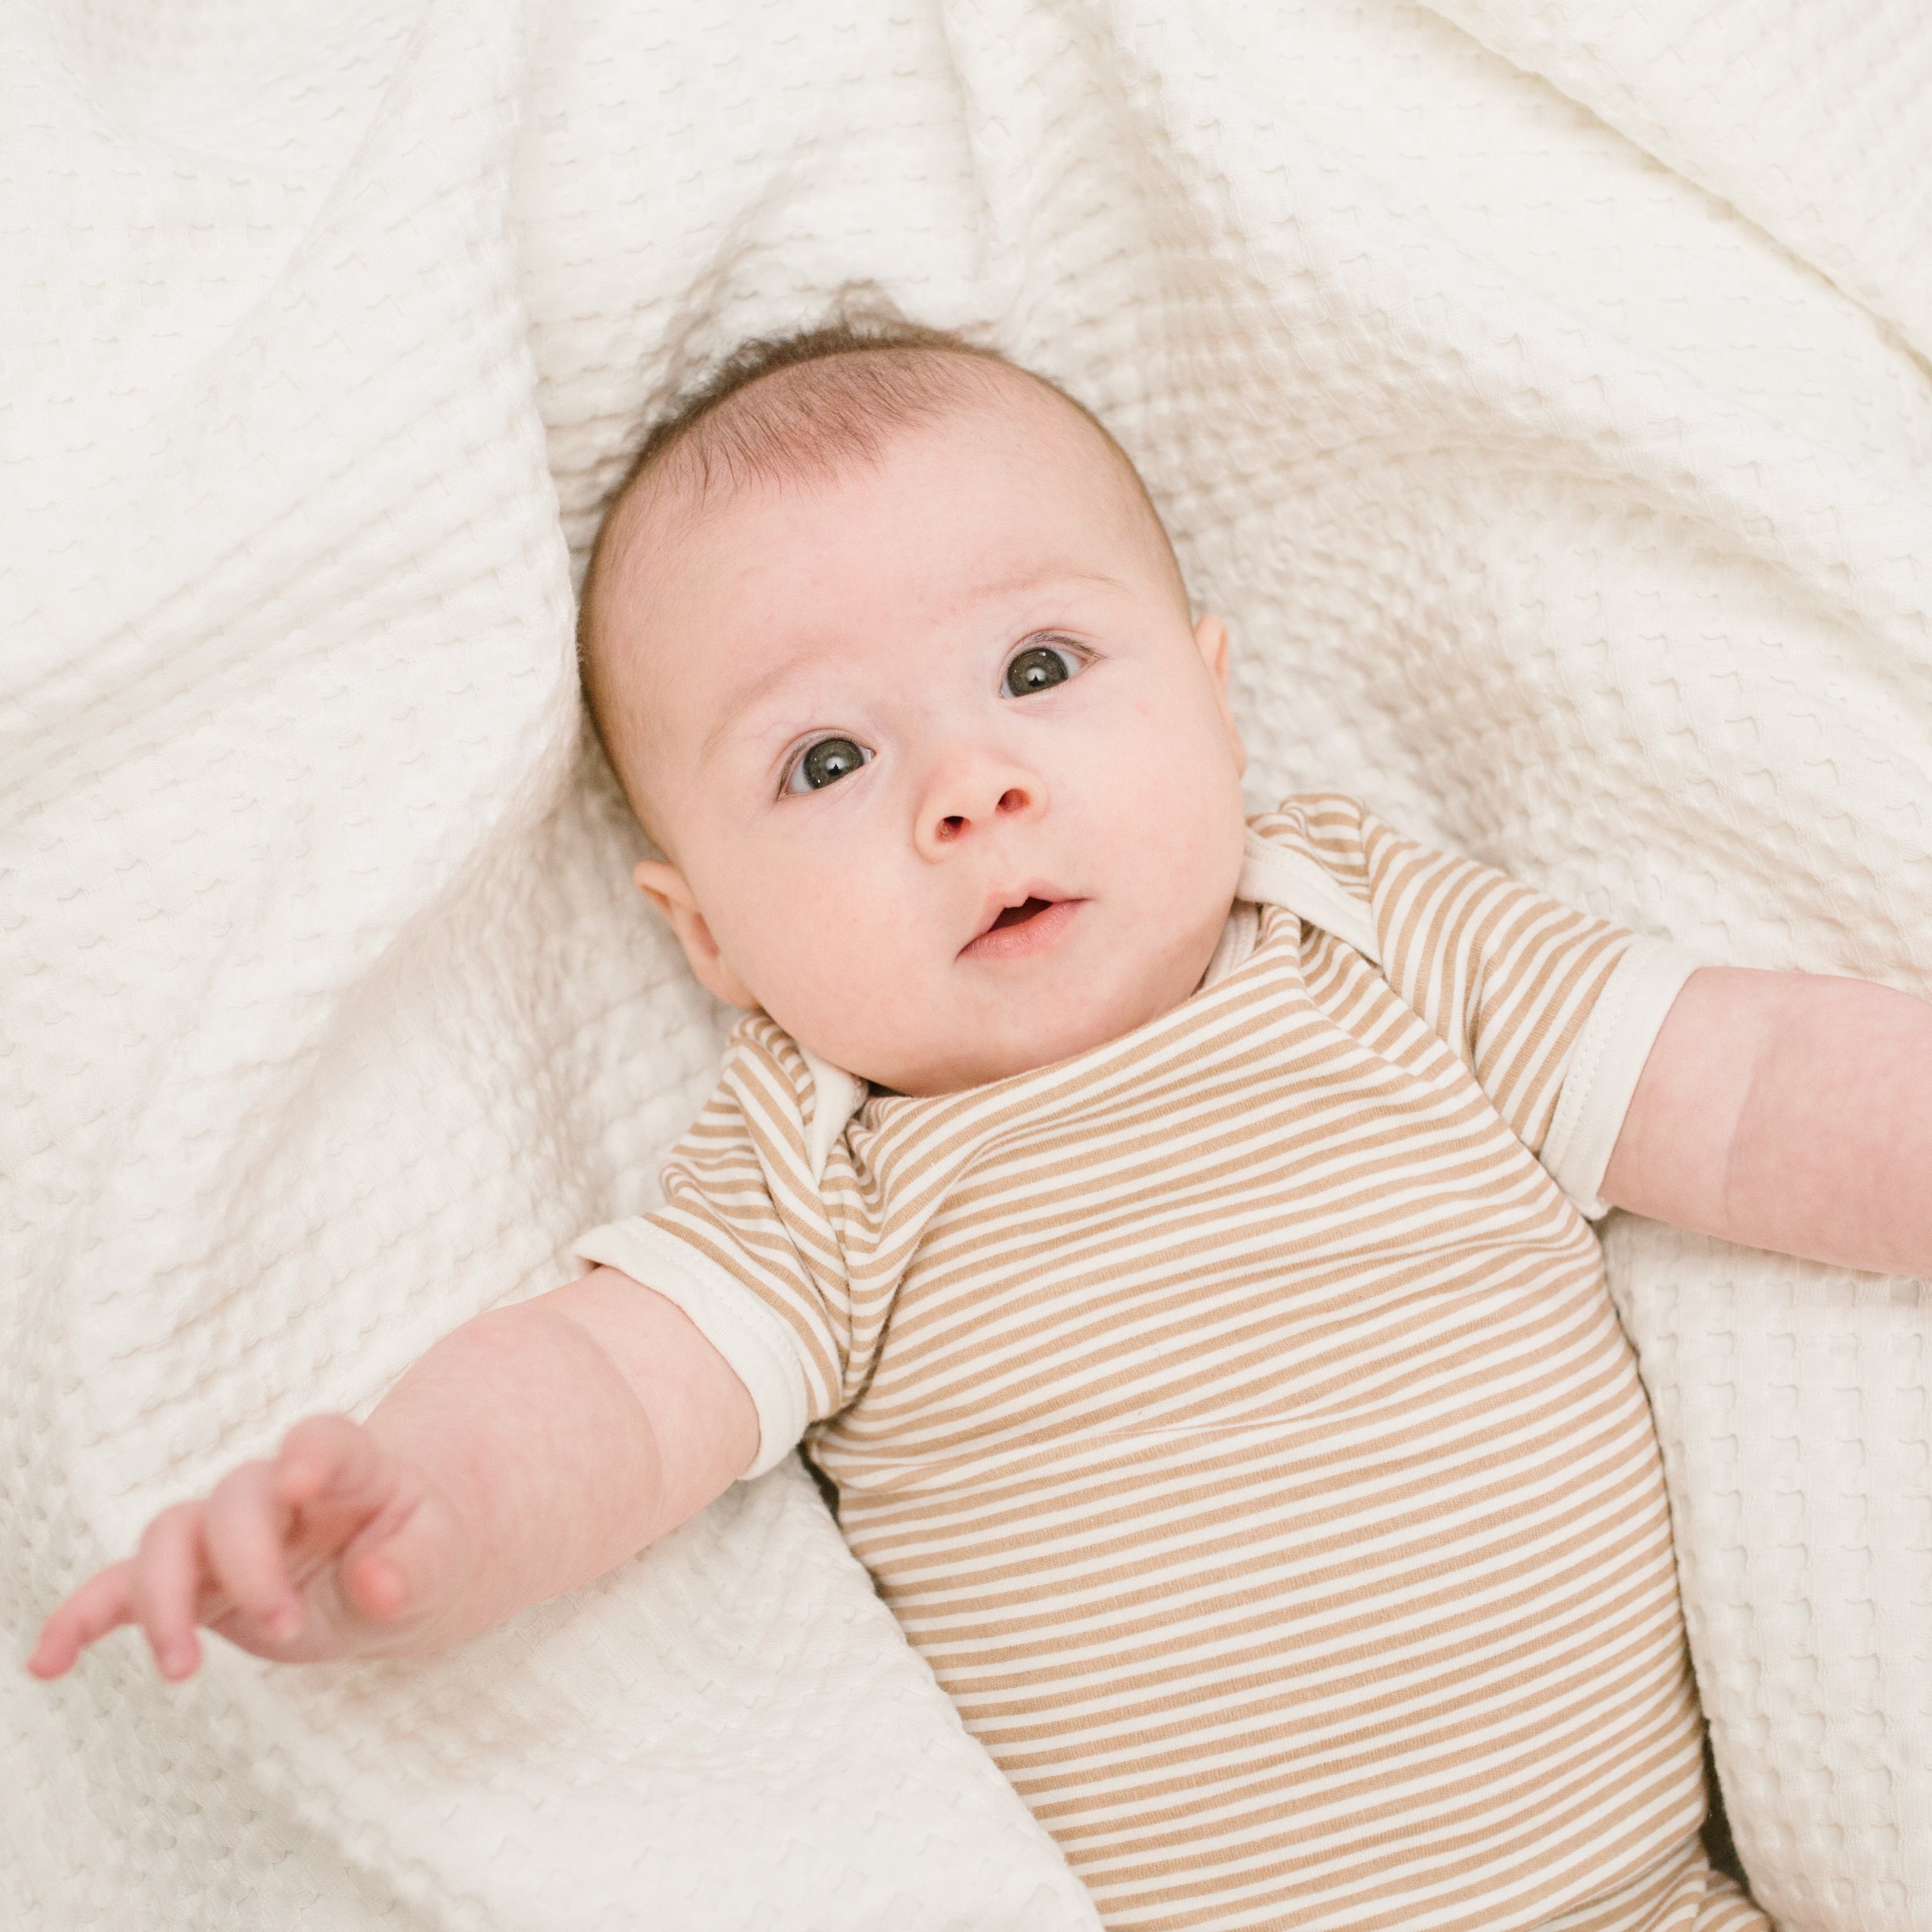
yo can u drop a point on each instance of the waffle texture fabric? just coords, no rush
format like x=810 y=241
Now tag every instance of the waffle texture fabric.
x=1540 y=392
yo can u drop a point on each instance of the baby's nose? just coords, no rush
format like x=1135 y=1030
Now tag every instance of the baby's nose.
x=1014 y=798
x=972 y=802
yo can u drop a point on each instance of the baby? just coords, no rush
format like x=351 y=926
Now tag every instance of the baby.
x=1166 y=1229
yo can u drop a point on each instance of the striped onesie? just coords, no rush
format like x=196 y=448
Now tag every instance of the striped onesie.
x=1234 y=1416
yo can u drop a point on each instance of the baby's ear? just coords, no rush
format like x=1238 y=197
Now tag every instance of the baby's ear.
x=665 y=887
x=1210 y=640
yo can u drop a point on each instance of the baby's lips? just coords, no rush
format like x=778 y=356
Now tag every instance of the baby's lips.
x=1007 y=937
x=1001 y=908
x=1028 y=908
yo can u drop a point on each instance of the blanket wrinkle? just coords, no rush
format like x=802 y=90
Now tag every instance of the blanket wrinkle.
x=1818 y=137
x=1540 y=390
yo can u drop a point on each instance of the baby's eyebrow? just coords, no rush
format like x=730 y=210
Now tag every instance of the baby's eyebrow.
x=1042 y=579
x=761 y=687
x=740 y=701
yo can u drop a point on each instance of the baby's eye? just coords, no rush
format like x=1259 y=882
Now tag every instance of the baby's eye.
x=826 y=762
x=1038 y=667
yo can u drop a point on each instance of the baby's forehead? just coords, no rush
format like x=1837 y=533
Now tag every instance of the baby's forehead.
x=806 y=427
x=804 y=431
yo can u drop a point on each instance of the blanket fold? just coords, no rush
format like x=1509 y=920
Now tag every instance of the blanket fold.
x=1539 y=391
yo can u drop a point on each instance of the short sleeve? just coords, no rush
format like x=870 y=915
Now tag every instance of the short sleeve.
x=1553 y=1011
x=745 y=1243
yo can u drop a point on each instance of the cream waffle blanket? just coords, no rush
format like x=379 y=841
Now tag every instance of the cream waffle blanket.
x=1539 y=389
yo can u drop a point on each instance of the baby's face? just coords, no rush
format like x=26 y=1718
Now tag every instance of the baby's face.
x=948 y=776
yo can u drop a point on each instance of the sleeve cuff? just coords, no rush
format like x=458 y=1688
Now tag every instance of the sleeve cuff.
x=755 y=1343
x=1604 y=1069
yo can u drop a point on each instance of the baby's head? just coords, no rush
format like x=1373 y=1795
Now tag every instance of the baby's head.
x=894 y=662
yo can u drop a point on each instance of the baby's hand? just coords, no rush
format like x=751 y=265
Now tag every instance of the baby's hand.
x=335 y=1549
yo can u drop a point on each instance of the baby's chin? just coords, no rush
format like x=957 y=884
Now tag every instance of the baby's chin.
x=1045 y=1031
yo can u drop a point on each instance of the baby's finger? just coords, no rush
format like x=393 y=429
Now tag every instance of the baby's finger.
x=244 y=1527
x=324 y=1452
x=166 y=1588
x=399 y=1563
x=100 y=1604
x=378 y=1586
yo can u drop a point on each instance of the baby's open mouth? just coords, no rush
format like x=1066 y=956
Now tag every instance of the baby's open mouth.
x=1020 y=931
x=1018 y=915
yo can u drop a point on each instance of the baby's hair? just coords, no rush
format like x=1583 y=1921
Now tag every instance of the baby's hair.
x=876 y=376
x=855 y=382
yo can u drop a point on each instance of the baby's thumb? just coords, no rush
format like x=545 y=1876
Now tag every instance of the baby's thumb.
x=396 y=1568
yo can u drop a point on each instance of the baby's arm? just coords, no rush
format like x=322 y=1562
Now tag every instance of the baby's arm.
x=1787 y=1111
x=530 y=1450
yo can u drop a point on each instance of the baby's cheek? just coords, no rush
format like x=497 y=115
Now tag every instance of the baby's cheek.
x=1186 y=832
x=836 y=959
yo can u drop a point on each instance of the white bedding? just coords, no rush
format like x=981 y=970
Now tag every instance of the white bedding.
x=1539 y=390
